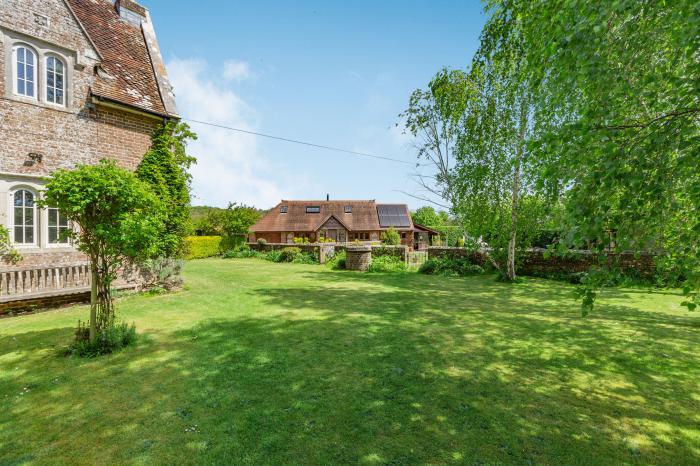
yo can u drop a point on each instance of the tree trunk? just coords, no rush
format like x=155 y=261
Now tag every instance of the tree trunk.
x=93 y=302
x=515 y=194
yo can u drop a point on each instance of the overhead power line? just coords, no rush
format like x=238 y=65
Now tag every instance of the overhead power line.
x=304 y=143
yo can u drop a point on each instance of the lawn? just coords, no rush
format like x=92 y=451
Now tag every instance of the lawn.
x=263 y=363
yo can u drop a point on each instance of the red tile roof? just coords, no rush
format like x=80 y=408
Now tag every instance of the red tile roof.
x=128 y=75
x=364 y=216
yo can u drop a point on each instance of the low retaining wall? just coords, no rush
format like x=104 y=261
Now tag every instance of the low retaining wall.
x=534 y=262
x=315 y=248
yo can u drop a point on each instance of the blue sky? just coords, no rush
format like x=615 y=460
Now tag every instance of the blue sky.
x=333 y=73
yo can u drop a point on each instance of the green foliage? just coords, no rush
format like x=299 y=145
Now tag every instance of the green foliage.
x=200 y=247
x=615 y=94
x=7 y=249
x=243 y=253
x=234 y=221
x=391 y=237
x=429 y=217
x=387 y=263
x=109 y=340
x=120 y=221
x=262 y=241
x=449 y=266
x=337 y=262
x=289 y=254
x=433 y=117
x=237 y=219
x=165 y=168
x=275 y=255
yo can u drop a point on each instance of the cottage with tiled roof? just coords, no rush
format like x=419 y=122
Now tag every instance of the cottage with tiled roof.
x=338 y=221
x=80 y=80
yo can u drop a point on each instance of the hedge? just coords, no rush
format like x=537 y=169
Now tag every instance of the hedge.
x=199 y=247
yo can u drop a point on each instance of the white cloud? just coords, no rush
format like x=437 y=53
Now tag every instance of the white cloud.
x=229 y=166
x=236 y=70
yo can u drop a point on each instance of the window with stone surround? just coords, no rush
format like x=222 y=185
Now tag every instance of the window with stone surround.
x=24 y=217
x=55 y=81
x=58 y=227
x=25 y=71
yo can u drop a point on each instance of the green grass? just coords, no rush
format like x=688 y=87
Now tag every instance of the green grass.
x=263 y=363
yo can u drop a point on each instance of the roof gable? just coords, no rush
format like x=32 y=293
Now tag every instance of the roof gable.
x=128 y=74
x=362 y=218
x=328 y=222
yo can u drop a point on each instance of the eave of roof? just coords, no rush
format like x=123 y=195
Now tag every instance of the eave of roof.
x=418 y=226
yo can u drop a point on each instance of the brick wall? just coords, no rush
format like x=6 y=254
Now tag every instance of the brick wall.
x=534 y=262
x=78 y=132
x=358 y=258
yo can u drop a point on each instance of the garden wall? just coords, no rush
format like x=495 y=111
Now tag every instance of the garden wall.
x=534 y=262
x=315 y=248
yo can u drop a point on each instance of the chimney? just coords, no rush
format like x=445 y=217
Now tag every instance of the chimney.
x=328 y=197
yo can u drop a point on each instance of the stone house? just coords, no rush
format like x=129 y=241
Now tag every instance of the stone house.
x=338 y=221
x=80 y=80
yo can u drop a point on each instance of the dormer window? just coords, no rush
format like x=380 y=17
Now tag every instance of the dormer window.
x=284 y=209
x=25 y=72
x=313 y=209
x=348 y=209
x=54 y=81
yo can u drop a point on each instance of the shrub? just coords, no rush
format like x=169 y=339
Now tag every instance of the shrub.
x=289 y=254
x=450 y=266
x=243 y=253
x=232 y=242
x=391 y=237
x=109 y=340
x=262 y=241
x=200 y=247
x=387 y=264
x=273 y=256
x=305 y=258
x=337 y=262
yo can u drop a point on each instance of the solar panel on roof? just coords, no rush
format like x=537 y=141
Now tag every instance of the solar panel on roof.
x=393 y=216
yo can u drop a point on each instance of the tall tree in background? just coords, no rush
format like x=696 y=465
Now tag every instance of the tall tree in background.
x=493 y=176
x=433 y=118
x=620 y=83
x=237 y=219
x=165 y=167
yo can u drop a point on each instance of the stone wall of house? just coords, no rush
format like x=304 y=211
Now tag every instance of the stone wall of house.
x=37 y=137
x=270 y=237
x=536 y=261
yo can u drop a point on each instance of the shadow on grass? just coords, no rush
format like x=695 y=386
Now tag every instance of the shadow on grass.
x=359 y=368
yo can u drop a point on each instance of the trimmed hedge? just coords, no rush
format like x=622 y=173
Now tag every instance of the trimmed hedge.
x=200 y=247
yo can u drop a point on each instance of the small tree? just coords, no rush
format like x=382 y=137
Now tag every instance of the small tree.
x=119 y=218
x=237 y=219
x=391 y=237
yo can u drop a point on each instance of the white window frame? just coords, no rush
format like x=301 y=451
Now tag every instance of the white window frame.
x=35 y=71
x=11 y=217
x=45 y=86
x=45 y=231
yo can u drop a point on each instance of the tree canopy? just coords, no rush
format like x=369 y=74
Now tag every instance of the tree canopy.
x=119 y=220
